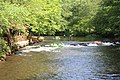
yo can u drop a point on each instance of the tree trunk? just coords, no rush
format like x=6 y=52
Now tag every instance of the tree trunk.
x=9 y=39
x=29 y=36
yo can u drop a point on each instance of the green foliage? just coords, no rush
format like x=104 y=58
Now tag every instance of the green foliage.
x=46 y=15
x=78 y=15
x=12 y=16
x=107 y=20
x=4 y=48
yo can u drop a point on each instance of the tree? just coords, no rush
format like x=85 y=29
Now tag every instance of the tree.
x=107 y=20
x=46 y=16
x=12 y=17
x=78 y=15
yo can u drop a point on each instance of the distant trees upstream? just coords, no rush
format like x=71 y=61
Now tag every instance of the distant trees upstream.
x=60 y=17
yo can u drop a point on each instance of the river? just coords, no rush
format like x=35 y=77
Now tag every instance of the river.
x=64 y=63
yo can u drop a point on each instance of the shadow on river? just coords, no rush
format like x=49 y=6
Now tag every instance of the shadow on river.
x=66 y=63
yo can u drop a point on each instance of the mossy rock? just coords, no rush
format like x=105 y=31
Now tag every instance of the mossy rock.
x=52 y=45
x=60 y=45
x=3 y=57
x=15 y=47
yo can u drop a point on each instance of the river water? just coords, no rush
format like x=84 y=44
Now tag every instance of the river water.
x=65 y=63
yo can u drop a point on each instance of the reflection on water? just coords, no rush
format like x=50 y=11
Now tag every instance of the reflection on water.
x=68 y=63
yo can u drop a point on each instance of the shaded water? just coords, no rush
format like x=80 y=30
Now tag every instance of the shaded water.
x=67 y=63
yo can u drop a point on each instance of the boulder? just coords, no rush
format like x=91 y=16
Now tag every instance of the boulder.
x=21 y=44
x=34 y=39
x=3 y=57
x=98 y=42
x=41 y=38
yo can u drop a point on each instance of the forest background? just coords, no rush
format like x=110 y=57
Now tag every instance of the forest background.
x=59 y=17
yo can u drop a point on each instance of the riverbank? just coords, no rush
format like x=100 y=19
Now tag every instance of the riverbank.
x=19 y=42
x=27 y=45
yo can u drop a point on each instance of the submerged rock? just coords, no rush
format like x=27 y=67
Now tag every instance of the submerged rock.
x=98 y=42
x=56 y=45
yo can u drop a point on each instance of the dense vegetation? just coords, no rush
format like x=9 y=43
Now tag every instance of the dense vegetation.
x=107 y=19
x=59 y=17
x=48 y=17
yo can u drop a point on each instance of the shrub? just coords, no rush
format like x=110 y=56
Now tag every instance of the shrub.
x=4 y=48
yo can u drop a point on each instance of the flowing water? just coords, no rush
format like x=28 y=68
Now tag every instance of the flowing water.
x=65 y=63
